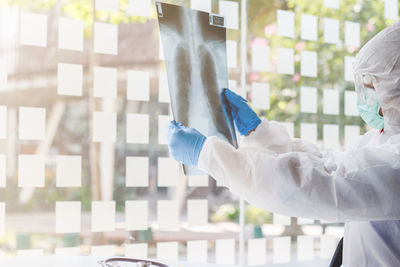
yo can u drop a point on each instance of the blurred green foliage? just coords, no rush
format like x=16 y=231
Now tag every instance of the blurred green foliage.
x=226 y=212
x=230 y=212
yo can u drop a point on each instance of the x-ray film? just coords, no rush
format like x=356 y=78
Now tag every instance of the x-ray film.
x=194 y=44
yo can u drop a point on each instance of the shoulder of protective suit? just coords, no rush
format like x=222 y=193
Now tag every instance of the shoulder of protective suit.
x=374 y=138
x=363 y=140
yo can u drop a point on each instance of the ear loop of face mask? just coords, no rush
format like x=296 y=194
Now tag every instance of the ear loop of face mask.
x=361 y=90
x=368 y=102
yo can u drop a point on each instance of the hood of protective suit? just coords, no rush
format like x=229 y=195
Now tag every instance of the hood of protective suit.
x=380 y=58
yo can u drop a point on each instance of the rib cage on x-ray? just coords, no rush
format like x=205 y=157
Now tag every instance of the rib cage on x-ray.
x=195 y=57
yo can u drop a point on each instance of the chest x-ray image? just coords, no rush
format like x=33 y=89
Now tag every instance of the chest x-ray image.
x=194 y=45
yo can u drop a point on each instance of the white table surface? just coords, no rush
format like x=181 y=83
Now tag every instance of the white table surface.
x=87 y=261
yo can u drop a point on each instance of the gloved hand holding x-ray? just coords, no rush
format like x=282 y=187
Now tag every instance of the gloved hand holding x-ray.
x=195 y=55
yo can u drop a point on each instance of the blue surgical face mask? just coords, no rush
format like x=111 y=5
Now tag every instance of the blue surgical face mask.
x=369 y=108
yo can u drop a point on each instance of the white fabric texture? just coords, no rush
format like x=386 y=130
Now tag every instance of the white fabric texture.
x=380 y=58
x=360 y=186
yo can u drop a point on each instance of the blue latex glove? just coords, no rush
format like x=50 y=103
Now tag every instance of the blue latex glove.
x=184 y=143
x=246 y=120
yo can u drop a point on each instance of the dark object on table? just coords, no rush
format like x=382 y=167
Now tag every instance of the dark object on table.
x=127 y=262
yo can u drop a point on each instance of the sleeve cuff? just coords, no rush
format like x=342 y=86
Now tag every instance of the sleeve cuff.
x=206 y=158
x=253 y=137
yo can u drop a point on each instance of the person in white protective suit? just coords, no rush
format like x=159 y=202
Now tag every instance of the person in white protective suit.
x=360 y=186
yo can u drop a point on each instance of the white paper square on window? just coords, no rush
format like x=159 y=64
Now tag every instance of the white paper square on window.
x=230 y=10
x=2 y=218
x=69 y=79
x=351 y=133
x=198 y=180
x=29 y=252
x=331 y=102
x=202 y=5
x=352 y=33
x=225 y=251
x=231 y=51
x=309 y=64
x=308 y=132
x=256 y=251
x=104 y=126
x=67 y=251
x=31 y=170
x=197 y=251
x=350 y=103
x=197 y=212
x=103 y=216
x=70 y=34
x=137 y=171
x=3 y=75
x=168 y=172
x=305 y=248
x=105 y=82
x=285 y=61
x=138 y=85
x=104 y=251
x=137 y=128
x=309 y=27
x=137 y=250
x=280 y=219
x=285 y=21
x=163 y=121
x=167 y=213
x=32 y=123
x=3 y=169
x=163 y=90
x=331 y=4
x=136 y=215
x=33 y=29
x=105 y=38
x=348 y=69
x=331 y=136
x=302 y=221
x=281 y=249
x=3 y=122
x=260 y=95
x=107 y=5
x=331 y=31
x=391 y=9
x=308 y=99
x=68 y=171
x=260 y=58
x=68 y=217
x=140 y=7
x=167 y=251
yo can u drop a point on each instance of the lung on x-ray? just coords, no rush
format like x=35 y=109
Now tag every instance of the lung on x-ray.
x=194 y=45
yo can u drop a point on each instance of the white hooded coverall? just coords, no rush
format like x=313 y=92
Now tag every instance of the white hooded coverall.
x=360 y=186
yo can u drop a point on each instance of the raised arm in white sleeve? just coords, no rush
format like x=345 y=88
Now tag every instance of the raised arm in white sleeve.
x=273 y=136
x=362 y=184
